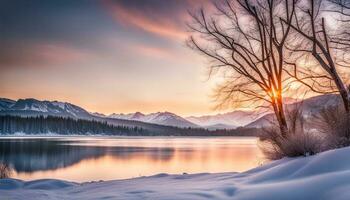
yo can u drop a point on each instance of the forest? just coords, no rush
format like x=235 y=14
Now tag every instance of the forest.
x=10 y=125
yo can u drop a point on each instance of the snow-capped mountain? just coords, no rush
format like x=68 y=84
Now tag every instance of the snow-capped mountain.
x=162 y=118
x=34 y=107
x=29 y=107
x=230 y=120
x=235 y=118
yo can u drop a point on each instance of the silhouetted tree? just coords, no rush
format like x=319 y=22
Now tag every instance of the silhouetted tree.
x=247 y=37
x=328 y=46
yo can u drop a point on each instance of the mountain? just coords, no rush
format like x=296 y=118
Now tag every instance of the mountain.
x=263 y=121
x=157 y=123
x=160 y=122
x=162 y=118
x=310 y=107
x=235 y=118
x=33 y=107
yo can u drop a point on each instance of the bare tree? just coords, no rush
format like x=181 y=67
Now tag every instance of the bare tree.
x=247 y=38
x=325 y=45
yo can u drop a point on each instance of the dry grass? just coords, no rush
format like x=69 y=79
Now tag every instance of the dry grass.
x=334 y=122
x=332 y=131
x=5 y=171
x=298 y=142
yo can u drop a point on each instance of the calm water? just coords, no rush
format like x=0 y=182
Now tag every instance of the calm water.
x=106 y=158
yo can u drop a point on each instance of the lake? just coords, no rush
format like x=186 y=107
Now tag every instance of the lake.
x=83 y=159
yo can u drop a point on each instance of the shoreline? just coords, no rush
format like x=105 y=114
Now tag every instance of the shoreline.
x=323 y=176
x=111 y=136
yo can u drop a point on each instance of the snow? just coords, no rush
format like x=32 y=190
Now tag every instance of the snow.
x=71 y=110
x=161 y=117
x=61 y=105
x=36 y=107
x=152 y=117
x=121 y=116
x=324 y=176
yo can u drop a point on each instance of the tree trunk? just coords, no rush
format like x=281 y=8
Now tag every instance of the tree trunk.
x=343 y=91
x=281 y=118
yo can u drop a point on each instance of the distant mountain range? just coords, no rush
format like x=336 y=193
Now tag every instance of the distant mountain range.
x=310 y=107
x=162 y=118
x=34 y=107
x=155 y=121
x=230 y=119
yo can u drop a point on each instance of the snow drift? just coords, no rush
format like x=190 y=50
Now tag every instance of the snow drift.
x=324 y=176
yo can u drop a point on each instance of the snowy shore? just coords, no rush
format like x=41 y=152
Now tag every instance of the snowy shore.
x=324 y=176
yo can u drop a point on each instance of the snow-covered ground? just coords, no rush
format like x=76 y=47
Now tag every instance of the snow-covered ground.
x=322 y=177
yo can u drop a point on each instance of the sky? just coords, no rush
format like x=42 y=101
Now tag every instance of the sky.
x=106 y=56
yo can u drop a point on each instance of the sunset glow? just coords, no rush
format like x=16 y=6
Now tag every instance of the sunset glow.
x=106 y=56
x=175 y=99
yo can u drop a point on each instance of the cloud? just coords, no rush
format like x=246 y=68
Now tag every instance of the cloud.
x=41 y=54
x=169 y=26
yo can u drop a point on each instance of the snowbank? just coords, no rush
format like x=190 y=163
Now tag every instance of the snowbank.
x=324 y=176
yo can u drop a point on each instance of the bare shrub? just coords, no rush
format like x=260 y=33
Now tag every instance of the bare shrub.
x=5 y=171
x=334 y=123
x=297 y=143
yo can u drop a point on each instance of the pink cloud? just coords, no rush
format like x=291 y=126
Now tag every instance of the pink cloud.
x=161 y=26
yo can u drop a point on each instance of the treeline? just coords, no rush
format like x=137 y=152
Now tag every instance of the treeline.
x=61 y=125
x=68 y=126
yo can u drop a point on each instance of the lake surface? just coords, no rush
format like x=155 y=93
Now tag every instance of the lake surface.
x=106 y=158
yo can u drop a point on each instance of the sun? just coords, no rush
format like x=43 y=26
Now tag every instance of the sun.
x=274 y=93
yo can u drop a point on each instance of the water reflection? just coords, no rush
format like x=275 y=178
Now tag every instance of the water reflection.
x=89 y=159
x=29 y=155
